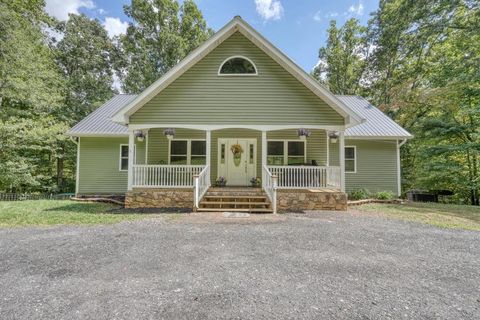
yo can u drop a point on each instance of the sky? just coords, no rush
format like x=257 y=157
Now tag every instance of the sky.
x=297 y=27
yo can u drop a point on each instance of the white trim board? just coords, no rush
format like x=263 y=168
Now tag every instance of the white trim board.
x=238 y=24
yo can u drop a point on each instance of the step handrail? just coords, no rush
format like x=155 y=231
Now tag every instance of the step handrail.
x=201 y=185
x=269 y=184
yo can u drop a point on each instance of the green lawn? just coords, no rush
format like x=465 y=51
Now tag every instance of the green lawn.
x=54 y=212
x=440 y=215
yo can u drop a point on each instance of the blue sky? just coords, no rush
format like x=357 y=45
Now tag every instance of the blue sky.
x=297 y=27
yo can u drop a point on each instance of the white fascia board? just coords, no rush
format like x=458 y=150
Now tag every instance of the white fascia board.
x=237 y=24
x=265 y=127
x=97 y=135
x=379 y=137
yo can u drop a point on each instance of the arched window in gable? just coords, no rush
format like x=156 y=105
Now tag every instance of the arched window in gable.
x=237 y=65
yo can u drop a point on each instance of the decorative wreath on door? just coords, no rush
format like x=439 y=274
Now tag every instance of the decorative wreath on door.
x=237 y=151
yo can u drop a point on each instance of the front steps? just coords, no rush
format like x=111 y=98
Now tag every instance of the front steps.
x=235 y=199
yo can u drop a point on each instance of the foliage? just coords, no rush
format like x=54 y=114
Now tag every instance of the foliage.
x=343 y=60
x=162 y=33
x=359 y=194
x=422 y=70
x=55 y=212
x=221 y=182
x=384 y=195
x=86 y=55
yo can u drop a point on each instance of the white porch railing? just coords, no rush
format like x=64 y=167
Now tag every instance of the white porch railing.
x=164 y=176
x=305 y=177
x=269 y=182
x=201 y=185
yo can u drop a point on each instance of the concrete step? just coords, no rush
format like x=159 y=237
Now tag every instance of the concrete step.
x=250 y=210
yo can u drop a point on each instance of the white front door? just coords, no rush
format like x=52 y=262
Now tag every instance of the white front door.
x=237 y=159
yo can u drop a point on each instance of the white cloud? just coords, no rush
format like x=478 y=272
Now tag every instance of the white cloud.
x=115 y=26
x=101 y=11
x=269 y=9
x=331 y=15
x=317 y=16
x=358 y=9
x=61 y=8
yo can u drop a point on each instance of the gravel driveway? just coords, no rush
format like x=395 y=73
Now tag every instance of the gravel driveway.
x=325 y=265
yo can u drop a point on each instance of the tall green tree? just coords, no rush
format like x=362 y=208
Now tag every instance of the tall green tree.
x=342 y=61
x=86 y=55
x=162 y=33
x=30 y=96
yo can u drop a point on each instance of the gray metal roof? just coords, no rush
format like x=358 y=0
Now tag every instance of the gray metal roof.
x=377 y=124
x=99 y=121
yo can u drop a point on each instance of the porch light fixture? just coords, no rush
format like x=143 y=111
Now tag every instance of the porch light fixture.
x=303 y=133
x=333 y=135
x=169 y=133
x=139 y=134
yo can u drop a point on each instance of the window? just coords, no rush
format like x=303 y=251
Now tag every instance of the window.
x=281 y=153
x=222 y=153
x=350 y=159
x=192 y=152
x=123 y=165
x=237 y=66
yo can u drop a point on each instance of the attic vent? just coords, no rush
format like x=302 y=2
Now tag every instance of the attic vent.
x=237 y=65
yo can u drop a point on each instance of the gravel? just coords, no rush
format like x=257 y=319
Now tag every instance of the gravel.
x=324 y=265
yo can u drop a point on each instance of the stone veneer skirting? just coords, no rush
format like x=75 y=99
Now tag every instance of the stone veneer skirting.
x=297 y=199
x=159 y=198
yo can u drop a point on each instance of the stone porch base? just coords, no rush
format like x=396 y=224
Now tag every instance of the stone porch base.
x=297 y=199
x=287 y=199
x=159 y=198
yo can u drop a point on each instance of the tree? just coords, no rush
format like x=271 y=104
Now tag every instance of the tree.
x=86 y=55
x=162 y=33
x=30 y=91
x=343 y=60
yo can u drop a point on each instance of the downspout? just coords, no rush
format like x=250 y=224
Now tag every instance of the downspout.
x=76 y=140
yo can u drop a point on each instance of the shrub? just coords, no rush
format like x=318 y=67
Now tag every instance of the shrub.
x=359 y=194
x=384 y=195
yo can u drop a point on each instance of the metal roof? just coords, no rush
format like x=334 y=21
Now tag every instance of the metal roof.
x=377 y=124
x=99 y=123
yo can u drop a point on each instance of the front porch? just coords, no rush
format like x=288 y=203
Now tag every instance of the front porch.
x=194 y=159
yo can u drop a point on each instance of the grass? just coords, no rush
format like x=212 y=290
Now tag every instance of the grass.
x=56 y=212
x=440 y=215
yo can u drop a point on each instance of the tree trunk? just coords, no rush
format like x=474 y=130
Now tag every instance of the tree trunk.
x=60 y=181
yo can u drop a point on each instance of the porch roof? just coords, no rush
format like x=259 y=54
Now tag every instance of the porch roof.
x=377 y=125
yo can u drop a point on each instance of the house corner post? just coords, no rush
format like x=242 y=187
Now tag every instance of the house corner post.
x=131 y=156
x=342 y=160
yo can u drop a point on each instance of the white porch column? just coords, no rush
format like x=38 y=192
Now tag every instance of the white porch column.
x=341 y=148
x=131 y=157
x=264 y=153
x=208 y=137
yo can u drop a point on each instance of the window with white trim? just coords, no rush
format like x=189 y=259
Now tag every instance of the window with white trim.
x=189 y=152
x=123 y=161
x=286 y=152
x=237 y=65
x=351 y=159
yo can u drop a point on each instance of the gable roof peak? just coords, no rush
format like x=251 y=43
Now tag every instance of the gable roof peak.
x=240 y=25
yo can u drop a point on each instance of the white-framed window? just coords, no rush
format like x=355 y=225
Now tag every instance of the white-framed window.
x=237 y=66
x=286 y=152
x=187 y=152
x=123 y=159
x=350 y=159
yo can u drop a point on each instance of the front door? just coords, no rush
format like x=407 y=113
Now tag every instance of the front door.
x=237 y=160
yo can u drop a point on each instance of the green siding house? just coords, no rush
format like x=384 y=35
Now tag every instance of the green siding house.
x=237 y=108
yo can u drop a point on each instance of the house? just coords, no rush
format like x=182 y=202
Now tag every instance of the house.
x=237 y=108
